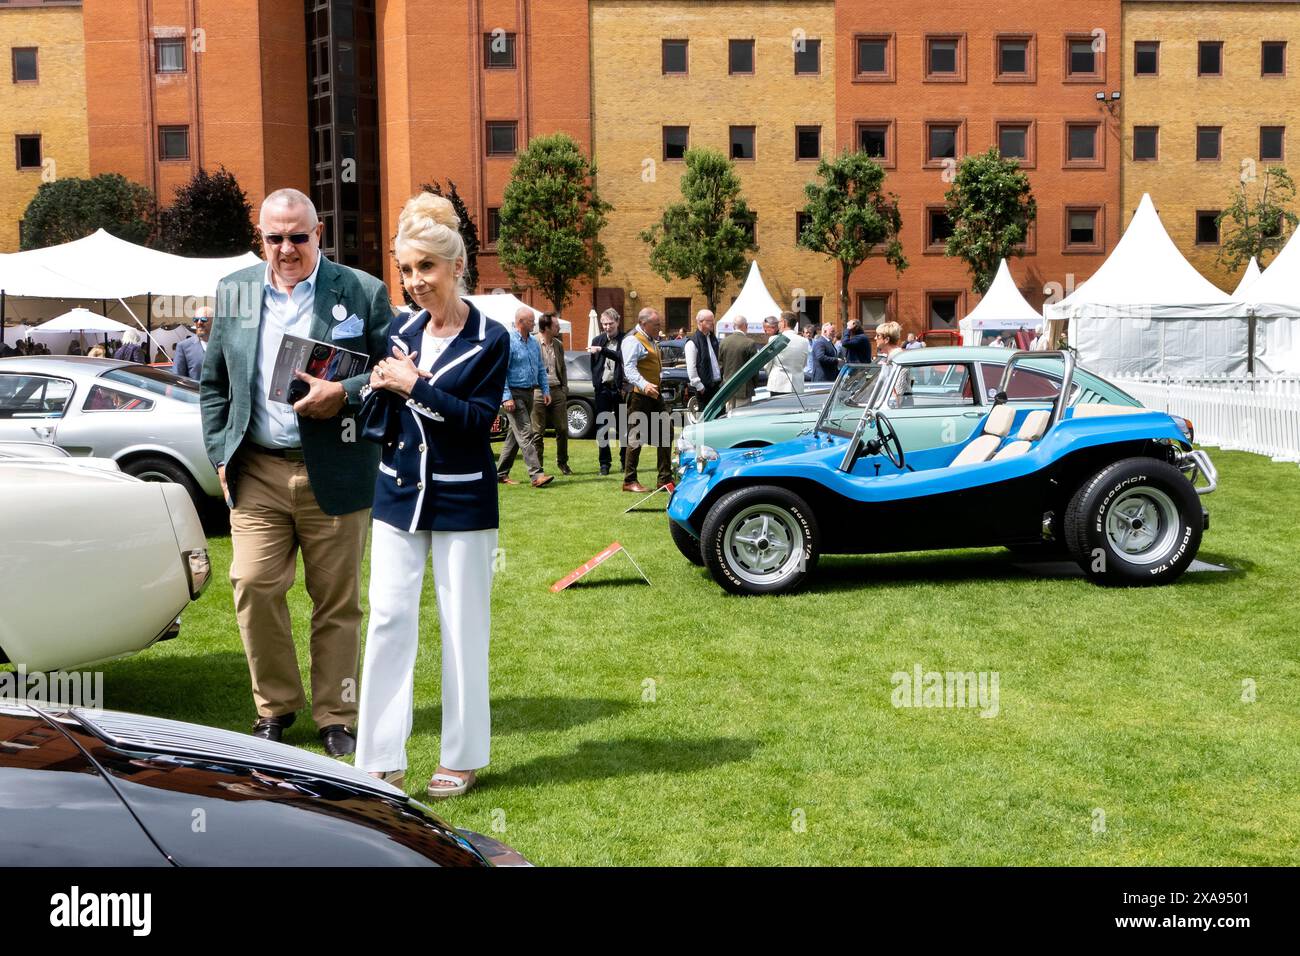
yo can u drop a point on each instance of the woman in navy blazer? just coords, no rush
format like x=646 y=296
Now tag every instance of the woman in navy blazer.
x=432 y=409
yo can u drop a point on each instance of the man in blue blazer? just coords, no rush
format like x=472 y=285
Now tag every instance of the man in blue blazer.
x=188 y=362
x=826 y=363
x=295 y=476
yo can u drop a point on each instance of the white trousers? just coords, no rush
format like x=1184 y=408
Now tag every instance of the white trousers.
x=462 y=576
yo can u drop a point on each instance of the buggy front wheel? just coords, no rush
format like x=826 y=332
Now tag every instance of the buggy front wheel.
x=760 y=540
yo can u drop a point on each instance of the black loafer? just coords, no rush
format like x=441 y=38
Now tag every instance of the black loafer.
x=273 y=728
x=338 y=740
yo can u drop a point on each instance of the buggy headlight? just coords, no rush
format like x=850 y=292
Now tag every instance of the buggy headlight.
x=703 y=455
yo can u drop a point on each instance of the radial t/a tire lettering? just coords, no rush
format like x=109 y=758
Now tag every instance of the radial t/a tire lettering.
x=763 y=539
x=1134 y=523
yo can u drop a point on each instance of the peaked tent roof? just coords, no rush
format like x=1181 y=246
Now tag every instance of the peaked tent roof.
x=1145 y=276
x=81 y=320
x=502 y=306
x=1002 y=306
x=1249 y=276
x=755 y=303
x=101 y=266
x=1276 y=293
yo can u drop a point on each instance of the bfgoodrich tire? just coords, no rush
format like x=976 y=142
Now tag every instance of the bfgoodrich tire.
x=760 y=540
x=1137 y=522
x=687 y=545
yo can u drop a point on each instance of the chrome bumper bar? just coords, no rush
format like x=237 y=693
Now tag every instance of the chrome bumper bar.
x=1196 y=464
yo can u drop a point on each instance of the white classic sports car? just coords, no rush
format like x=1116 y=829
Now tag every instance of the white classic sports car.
x=94 y=564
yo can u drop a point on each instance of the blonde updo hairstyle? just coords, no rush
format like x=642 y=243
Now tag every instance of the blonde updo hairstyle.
x=429 y=223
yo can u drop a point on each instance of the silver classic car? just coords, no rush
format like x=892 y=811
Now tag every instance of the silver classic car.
x=146 y=419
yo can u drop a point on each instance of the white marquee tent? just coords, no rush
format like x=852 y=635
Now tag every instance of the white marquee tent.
x=1148 y=311
x=502 y=306
x=1002 y=307
x=755 y=303
x=154 y=289
x=1274 y=300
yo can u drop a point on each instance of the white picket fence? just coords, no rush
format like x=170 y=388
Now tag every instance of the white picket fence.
x=1241 y=413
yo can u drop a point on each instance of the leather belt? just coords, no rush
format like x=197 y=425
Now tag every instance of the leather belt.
x=288 y=454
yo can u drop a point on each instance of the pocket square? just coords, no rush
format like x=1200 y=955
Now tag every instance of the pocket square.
x=349 y=328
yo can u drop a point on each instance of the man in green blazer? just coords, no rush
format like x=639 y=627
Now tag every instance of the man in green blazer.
x=295 y=474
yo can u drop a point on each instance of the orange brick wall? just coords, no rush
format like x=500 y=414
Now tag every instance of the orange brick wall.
x=242 y=94
x=435 y=97
x=910 y=101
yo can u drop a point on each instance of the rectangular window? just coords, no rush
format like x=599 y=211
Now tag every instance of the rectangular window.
x=942 y=309
x=1207 y=227
x=25 y=70
x=1082 y=144
x=1146 y=58
x=1146 y=143
x=493 y=225
x=674 y=57
x=1082 y=232
x=173 y=142
x=812 y=311
x=749 y=227
x=807 y=142
x=807 y=57
x=873 y=309
x=873 y=57
x=1209 y=58
x=943 y=58
x=938 y=227
x=740 y=56
x=941 y=142
x=742 y=142
x=169 y=54
x=677 y=314
x=502 y=138
x=1013 y=57
x=27 y=149
x=1272 y=143
x=1209 y=140
x=676 y=140
x=1013 y=141
x=1082 y=59
x=873 y=139
x=499 y=50
x=1272 y=58
x=801 y=219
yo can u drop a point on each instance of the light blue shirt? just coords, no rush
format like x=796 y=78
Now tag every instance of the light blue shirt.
x=271 y=424
x=526 y=368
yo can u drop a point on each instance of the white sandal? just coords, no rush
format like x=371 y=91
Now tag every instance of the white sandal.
x=458 y=786
x=395 y=778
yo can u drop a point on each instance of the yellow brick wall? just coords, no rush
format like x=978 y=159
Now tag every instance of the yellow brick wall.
x=633 y=100
x=1177 y=100
x=55 y=106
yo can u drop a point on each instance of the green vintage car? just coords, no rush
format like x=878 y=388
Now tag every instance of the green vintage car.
x=934 y=396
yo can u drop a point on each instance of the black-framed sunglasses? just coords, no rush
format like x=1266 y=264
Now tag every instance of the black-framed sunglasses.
x=297 y=238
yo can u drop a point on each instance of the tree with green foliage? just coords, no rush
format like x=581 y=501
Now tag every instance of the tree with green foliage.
x=1259 y=220
x=850 y=218
x=551 y=218
x=73 y=208
x=210 y=216
x=990 y=208
x=468 y=230
x=704 y=238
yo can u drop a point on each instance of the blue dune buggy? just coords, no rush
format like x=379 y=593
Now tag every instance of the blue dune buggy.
x=1113 y=487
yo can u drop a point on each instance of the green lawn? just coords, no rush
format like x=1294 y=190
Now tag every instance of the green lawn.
x=768 y=735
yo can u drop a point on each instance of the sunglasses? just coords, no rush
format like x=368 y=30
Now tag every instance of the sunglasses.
x=297 y=238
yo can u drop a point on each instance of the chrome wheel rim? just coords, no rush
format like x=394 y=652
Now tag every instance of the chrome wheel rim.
x=1143 y=525
x=763 y=544
x=577 y=421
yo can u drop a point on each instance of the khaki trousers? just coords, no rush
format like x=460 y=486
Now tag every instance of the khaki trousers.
x=555 y=415
x=275 y=515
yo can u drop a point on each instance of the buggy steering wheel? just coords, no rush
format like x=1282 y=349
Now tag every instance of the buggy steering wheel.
x=887 y=436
